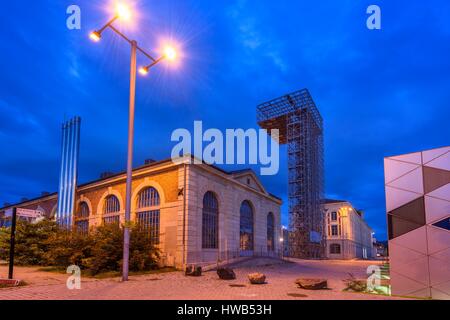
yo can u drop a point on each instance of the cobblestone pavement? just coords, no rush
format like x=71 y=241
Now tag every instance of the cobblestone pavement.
x=174 y=285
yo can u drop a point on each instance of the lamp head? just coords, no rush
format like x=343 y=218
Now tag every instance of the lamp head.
x=95 y=36
x=143 y=70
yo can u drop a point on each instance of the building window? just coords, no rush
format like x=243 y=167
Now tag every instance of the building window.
x=333 y=216
x=210 y=222
x=270 y=232
x=246 y=226
x=148 y=206
x=334 y=230
x=82 y=218
x=335 y=248
x=111 y=209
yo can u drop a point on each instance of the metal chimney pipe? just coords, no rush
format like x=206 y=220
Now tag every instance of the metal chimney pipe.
x=69 y=172
x=67 y=176
x=59 y=212
x=74 y=169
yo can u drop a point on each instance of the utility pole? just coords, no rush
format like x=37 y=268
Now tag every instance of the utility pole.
x=12 y=243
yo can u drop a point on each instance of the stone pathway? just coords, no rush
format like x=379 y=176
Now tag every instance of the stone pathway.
x=174 y=285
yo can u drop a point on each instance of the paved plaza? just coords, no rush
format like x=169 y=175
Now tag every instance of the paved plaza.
x=176 y=286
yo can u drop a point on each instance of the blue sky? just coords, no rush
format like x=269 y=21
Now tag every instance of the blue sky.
x=381 y=93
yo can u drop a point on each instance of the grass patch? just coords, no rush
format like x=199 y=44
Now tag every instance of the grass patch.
x=297 y=295
x=107 y=274
x=52 y=269
x=360 y=286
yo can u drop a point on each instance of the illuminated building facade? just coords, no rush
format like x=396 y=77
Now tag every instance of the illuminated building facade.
x=194 y=213
x=348 y=236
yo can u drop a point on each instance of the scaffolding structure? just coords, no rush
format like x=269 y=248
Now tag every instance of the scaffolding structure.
x=300 y=126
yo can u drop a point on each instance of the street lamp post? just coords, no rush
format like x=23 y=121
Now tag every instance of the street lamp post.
x=126 y=231
x=168 y=54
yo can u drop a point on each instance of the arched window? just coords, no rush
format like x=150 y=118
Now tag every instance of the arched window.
x=210 y=225
x=335 y=248
x=270 y=232
x=246 y=226
x=111 y=209
x=82 y=218
x=147 y=213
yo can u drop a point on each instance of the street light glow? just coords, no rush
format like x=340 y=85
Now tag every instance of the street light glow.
x=123 y=12
x=143 y=71
x=170 y=53
x=95 y=36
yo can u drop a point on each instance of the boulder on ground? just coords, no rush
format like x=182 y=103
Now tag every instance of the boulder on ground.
x=226 y=274
x=312 y=284
x=193 y=271
x=257 y=278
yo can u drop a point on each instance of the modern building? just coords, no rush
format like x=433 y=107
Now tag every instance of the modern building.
x=195 y=213
x=417 y=189
x=348 y=236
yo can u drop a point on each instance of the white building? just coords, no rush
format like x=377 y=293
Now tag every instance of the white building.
x=347 y=234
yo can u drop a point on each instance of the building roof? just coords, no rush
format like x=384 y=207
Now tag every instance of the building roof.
x=326 y=201
x=53 y=194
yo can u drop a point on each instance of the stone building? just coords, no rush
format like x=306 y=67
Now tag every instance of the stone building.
x=195 y=213
x=348 y=236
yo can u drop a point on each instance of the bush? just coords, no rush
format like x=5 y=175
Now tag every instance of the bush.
x=142 y=253
x=66 y=248
x=45 y=244
x=107 y=249
x=31 y=242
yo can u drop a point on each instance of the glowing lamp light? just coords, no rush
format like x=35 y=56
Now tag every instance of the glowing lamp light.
x=170 y=53
x=123 y=12
x=143 y=71
x=95 y=36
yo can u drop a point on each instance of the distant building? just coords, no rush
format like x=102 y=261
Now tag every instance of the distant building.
x=285 y=241
x=193 y=213
x=346 y=232
x=380 y=249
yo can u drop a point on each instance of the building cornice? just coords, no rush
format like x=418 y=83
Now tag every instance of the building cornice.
x=156 y=167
